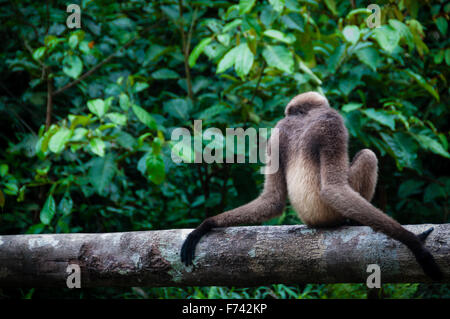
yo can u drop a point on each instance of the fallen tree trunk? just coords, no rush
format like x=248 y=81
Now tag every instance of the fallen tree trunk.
x=235 y=256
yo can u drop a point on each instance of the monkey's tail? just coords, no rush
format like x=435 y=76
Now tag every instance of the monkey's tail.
x=426 y=259
x=423 y=236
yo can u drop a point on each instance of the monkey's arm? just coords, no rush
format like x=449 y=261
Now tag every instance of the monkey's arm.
x=337 y=193
x=269 y=204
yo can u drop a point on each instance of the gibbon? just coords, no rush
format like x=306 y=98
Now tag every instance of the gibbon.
x=324 y=188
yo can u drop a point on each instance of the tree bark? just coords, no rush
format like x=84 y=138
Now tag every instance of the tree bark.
x=235 y=256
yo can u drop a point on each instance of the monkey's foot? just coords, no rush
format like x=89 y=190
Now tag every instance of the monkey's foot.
x=423 y=236
x=188 y=248
x=429 y=266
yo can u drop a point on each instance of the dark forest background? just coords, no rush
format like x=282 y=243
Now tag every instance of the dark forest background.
x=87 y=114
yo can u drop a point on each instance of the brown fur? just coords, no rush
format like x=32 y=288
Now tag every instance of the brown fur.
x=323 y=188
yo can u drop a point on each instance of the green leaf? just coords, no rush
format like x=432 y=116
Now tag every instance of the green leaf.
x=124 y=101
x=4 y=170
x=279 y=57
x=442 y=25
x=144 y=117
x=98 y=107
x=84 y=47
x=280 y=36
x=198 y=50
x=432 y=145
x=410 y=187
x=21 y=196
x=302 y=66
x=155 y=168
x=65 y=205
x=244 y=60
x=246 y=5
x=434 y=191
x=213 y=111
x=403 y=31
x=11 y=189
x=126 y=140
x=381 y=117
x=140 y=86
x=73 y=41
x=36 y=229
x=404 y=148
x=157 y=145
x=165 y=74
x=177 y=108
x=370 y=57
x=423 y=84
x=97 y=146
x=232 y=25
x=76 y=120
x=335 y=60
x=72 y=66
x=351 y=107
x=59 y=140
x=101 y=173
x=117 y=118
x=348 y=84
x=387 y=37
x=47 y=136
x=227 y=61
x=79 y=133
x=39 y=53
x=331 y=4
x=294 y=21
x=48 y=211
x=438 y=57
x=277 y=5
x=224 y=39
x=351 y=33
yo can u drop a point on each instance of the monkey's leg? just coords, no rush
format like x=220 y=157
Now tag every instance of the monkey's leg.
x=337 y=193
x=362 y=175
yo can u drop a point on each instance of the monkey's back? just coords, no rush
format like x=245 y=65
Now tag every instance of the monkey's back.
x=301 y=167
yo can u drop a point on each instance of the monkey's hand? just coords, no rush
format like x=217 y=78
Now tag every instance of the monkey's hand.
x=188 y=248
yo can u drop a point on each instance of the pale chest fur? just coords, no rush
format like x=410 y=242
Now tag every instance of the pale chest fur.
x=303 y=184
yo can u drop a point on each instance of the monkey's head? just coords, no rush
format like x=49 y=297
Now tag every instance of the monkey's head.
x=303 y=103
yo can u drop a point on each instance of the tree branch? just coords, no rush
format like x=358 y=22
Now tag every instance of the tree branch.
x=235 y=256
x=48 y=117
x=186 y=47
x=259 y=81
x=94 y=68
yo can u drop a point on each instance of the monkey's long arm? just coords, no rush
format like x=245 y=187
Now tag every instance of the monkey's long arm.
x=269 y=204
x=337 y=193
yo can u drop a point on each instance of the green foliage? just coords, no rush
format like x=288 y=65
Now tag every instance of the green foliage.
x=137 y=69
